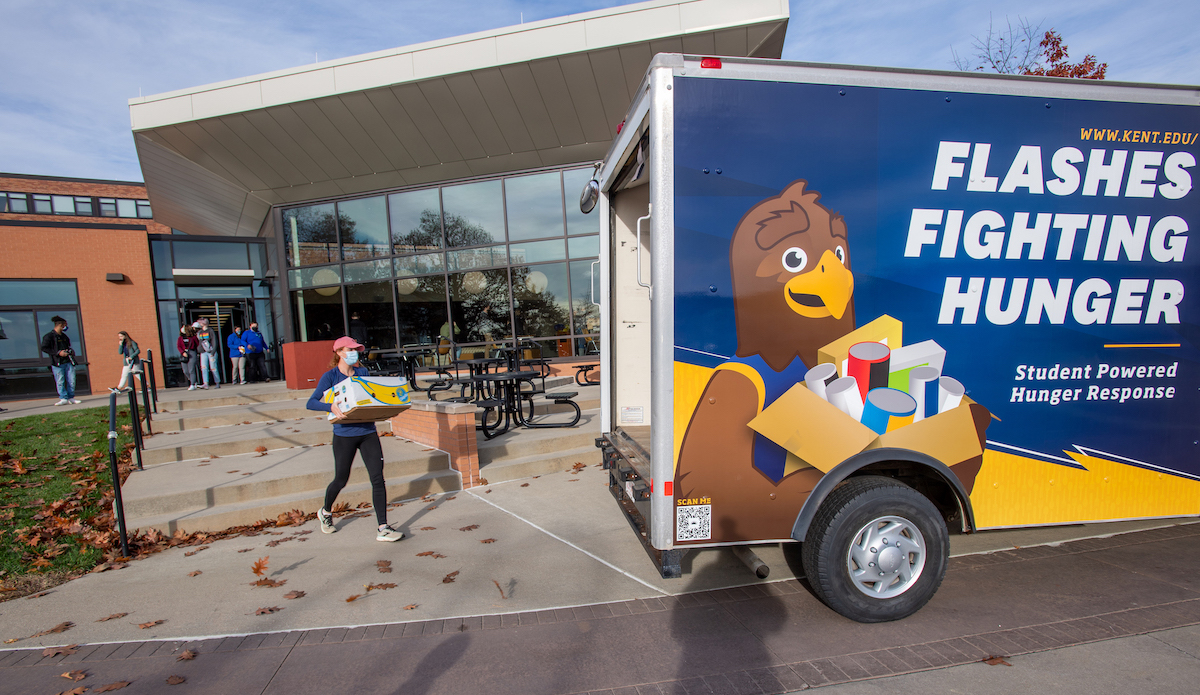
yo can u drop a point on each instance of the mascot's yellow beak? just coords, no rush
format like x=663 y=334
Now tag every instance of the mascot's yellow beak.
x=823 y=291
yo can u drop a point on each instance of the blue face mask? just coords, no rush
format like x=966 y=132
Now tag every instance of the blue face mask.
x=351 y=357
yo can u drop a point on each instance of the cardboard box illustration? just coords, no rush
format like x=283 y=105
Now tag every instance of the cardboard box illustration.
x=369 y=399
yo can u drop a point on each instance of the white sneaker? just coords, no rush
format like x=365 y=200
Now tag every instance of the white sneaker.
x=76 y=401
x=387 y=534
x=326 y=520
x=191 y=388
x=62 y=401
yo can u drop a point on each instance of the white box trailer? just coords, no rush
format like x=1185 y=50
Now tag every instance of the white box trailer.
x=858 y=308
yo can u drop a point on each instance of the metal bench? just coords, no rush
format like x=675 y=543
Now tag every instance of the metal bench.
x=560 y=398
x=583 y=374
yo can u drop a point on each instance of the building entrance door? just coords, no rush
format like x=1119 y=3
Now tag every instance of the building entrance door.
x=222 y=316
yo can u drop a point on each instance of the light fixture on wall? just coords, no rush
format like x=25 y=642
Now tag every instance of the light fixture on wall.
x=474 y=282
x=536 y=281
x=407 y=285
x=326 y=276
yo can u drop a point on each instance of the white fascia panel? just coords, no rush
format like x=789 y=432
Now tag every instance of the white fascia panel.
x=707 y=15
x=646 y=25
x=369 y=74
x=538 y=43
x=289 y=89
x=161 y=112
x=218 y=102
x=461 y=57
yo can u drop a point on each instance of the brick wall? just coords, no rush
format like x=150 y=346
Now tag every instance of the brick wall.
x=86 y=255
x=449 y=427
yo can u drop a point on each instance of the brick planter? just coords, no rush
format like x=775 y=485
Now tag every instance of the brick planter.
x=449 y=427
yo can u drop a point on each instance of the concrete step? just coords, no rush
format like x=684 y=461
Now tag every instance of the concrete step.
x=232 y=415
x=175 y=400
x=538 y=464
x=238 y=439
x=238 y=514
x=523 y=442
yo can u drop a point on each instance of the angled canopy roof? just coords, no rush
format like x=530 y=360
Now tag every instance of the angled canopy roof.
x=216 y=158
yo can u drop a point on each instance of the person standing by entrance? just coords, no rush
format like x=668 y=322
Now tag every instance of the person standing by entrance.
x=256 y=353
x=349 y=438
x=210 y=352
x=237 y=356
x=187 y=346
x=130 y=355
x=57 y=345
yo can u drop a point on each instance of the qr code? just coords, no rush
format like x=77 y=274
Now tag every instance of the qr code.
x=693 y=523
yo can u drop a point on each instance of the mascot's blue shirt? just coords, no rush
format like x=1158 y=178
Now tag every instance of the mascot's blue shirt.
x=769 y=457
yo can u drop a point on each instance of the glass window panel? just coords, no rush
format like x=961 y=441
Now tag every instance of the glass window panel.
x=262 y=307
x=577 y=222
x=311 y=235
x=536 y=251
x=479 y=302
x=534 y=205
x=45 y=323
x=212 y=291
x=160 y=251
x=473 y=213
x=168 y=326
x=416 y=224
x=126 y=207
x=476 y=258
x=370 y=270
x=363 y=226
x=211 y=255
x=3 y=202
x=584 y=246
x=421 y=317
x=588 y=346
x=309 y=277
x=41 y=204
x=63 y=204
x=108 y=207
x=419 y=265
x=258 y=259
x=540 y=300
x=371 y=320
x=37 y=292
x=21 y=338
x=584 y=286
x=18 y=203
x=318 y=313
x=166 y=289
x=143 y=209
x=83 y=206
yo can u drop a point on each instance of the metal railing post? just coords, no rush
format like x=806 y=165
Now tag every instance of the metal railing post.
x=153 y=380
x=137 y=428
x=118 y=504
x=146 y=402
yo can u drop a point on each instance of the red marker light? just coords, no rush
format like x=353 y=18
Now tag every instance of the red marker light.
x=667 y=487
x=711 y=63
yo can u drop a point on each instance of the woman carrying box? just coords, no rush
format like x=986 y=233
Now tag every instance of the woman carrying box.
x=349 y=438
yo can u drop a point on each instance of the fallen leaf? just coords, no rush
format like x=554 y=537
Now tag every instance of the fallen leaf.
x=996 y=661
x=449 y=577
x=61 y=627
x=175 y=680
x=269 y=583
x=37 y=595
x=453 y=496
x=499 y=589
x=114 y=616
x=488 y=540
x=197 y=550
x=472 y=527
x=294 y=594
x=431 y=507
x=487 y=492
x=524 y=484
x=573 y=480
x=381 y=587
x=75 y=691
x=55 y=651
x=152 y=623
x=267 y=611
x=187 y=655
x=112 y=686
x=12 y=639
x=259 y=568
x=233 y=471
x=427 y=528
x=197 y=573
x=245 y=550
x=76 y=675
x=578 y=467
x=410 y=606
x=426 y=553
x=384 y=566
x=353 y=598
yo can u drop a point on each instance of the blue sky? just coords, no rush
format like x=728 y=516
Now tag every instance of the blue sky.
x=69 y=67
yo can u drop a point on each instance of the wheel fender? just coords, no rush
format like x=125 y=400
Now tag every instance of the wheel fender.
x=859 y=461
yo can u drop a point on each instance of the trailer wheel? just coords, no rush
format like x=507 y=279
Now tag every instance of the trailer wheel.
x=876 y=551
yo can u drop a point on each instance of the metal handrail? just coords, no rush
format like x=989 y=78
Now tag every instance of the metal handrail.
x=118 y=504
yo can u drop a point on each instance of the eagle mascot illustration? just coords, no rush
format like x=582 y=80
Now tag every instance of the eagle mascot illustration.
x=793 y=292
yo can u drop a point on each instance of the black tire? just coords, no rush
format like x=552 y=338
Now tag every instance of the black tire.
x=849 y=509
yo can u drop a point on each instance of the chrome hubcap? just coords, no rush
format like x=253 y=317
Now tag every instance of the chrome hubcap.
x=886 y=557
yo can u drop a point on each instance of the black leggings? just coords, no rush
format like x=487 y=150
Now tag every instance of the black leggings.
x=372 y=456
